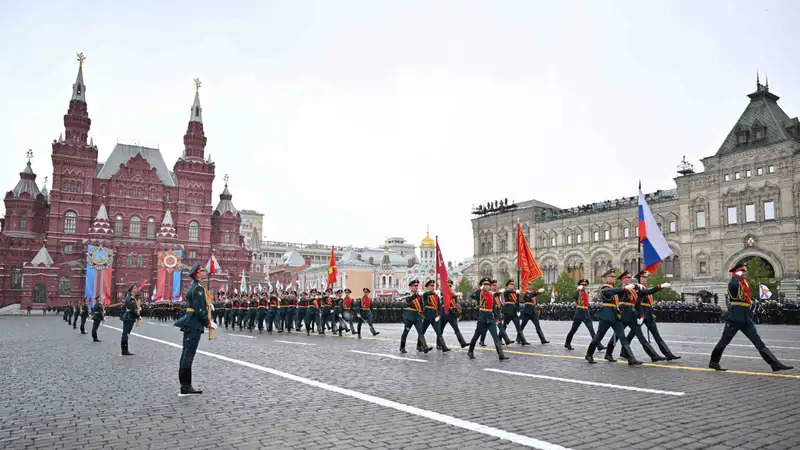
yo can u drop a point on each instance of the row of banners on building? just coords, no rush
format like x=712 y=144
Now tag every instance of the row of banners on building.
x=99 y=275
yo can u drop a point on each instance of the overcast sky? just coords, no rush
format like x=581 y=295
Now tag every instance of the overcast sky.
x=346 y=122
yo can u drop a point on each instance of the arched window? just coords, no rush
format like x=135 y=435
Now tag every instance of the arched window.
x=63 y=286
x=77 y=186
x=227 y=237
x=152 y=193
x=139 y=260
x=70 y=222
x=194 y=231
x=383 y=281
x=103 y=189
x=129 y=260
x=120 y=191
x=676 y=271
x=135 y=227
x=503 y=247
x=118 y=226
x=151 y=228
x=202 y=200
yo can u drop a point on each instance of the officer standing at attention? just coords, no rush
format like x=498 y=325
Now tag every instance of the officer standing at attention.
x=192 y=324
x=131 y=315
x=412 y=317
x=98 y=315
x=84 y=316
x=452 y=315
x=610 y=317
x=365 y=313
x=740 y=318
x=486 y=318
x=582 y=316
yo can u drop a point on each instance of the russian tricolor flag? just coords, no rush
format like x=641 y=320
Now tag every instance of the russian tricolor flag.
x=654 y=246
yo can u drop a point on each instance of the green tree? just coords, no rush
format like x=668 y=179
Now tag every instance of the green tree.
x=544 y=297
x=565 y=286
x=465 y=287
x=760 y=272
x=665 y=294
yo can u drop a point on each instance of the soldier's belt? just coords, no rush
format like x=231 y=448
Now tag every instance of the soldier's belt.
x=582 y=307
x=430 y=307
x=611 y=305
x=743 y=304
x=487 y=310
x=413 y=310
x=627 y=304
x=189 y=309
x=647 y=305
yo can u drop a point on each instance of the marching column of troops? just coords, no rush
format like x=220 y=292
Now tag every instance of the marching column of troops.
x=628 y=305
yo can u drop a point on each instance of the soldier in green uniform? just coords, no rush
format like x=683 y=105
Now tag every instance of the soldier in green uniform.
x=261 y=312
x=452 y=315
x=430 y=314
x=350 y=308
x=131 y=314
x=253 y=311
x=610 y=317
x=412 y=317
x=487 y=318
x=740 y=318
x=501 y=332
x=327 y=310
x=76 y=312
x=312 y=313
x=338 y=311
x=228 y=312
x=291 y=310
x=300 y=312
x=644 y=305
x=67 y=312
x=192 y=324
x=529 y=313
x=98 y=315
x=581 y=316
x=84 y=316
x=510 y=310
x=365 y=309
x=632 y=319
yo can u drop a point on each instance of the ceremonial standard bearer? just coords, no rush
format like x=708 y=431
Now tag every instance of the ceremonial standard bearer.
x=132 y=314
x=192 y=324
x=632 y=319
x=740 y=318
x=529 y=314
x=645 y=308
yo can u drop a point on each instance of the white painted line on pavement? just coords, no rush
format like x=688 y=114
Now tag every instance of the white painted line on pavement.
x=164 y=325
x=729 y=345
x=442 y=418
x=588 y=383
x=717 y=338
x=240 y=335
x=389 y=356
x=151 y=323
x=294 y=343
x=733 y=356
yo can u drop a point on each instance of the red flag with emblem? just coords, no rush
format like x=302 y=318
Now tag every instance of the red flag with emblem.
x=441 y=270
x=528 y=269
x=332 y=270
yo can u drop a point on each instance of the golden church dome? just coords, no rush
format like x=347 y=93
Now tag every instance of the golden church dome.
x=427 y=242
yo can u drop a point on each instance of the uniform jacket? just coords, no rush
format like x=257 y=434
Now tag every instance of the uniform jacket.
x=645 y=302
x=131 y=313
x=740 y=301
x=510 y=302
x=196 y=317
x=610 y=296
x=97 y=312
x=529 y=302
x=430 y=304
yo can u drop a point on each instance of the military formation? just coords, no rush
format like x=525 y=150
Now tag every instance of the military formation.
x=628 y=304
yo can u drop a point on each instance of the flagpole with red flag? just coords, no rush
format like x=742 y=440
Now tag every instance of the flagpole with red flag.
x=333 y=271
x=441 y=272
x=526 y=263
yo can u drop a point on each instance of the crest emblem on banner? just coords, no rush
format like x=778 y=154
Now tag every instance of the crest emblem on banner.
x=169 y=261
x=100 y=258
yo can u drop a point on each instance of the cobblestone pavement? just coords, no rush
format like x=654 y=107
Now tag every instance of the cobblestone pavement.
x=61 y=391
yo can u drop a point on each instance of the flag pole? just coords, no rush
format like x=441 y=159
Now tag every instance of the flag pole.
x=436 y=272
x=518 y=233
x=639 y=239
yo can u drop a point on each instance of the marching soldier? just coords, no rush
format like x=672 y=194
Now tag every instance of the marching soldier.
x=452 y=315
x=529 y=314
x=291 y=310
x=631 y=318
x=251 y=324
x=67 y=313
x=338 y=311
x=349 y=312
x=412 y=317
x=327 y=311
x=498 y=314
x=312 y=313
x=430 y=314
x=610 y=317
x=84 y=315
x=98 y=315
x=365 y=313
x=192 y=324
x=228 y=312
x=237 y=308
x=740 y=318
x=131 y=316
x=582 y=315
x=645 y=308
x=510 y=309
x=487 y=318
x=263 y=304
x=300 y=313
x=76 y=312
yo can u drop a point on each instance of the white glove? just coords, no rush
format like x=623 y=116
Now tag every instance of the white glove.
x=665 y=285
x=540 y=290
x=740 y=273
x=437 y=318
x=580 y=288
x=640 y=287
x=640 y=321
x=213 y=326
x=630 y=287
x=212 y=307
x=518 y=292
x=502 y=291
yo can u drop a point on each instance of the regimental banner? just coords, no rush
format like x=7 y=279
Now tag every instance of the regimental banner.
x=99 y=267
x=168 y=276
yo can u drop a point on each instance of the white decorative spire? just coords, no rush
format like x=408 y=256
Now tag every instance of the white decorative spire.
x=79 y=89
x=167 y=219
x=43 y=257
x=197 y=111
x=102 y=213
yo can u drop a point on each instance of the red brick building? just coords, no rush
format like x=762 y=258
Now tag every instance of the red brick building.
x=130 y=204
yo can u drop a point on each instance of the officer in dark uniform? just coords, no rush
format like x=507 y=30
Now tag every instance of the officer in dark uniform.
x=76 y=312
x=67 y=313
x=365 y=313
x=312 y=313
x=582 y=315
x=487 y=318
x=130 y=316
x=529 y=314
x=228 y=312
x=291 y=310
x=740 y=318
x=192 y=324
x=84 y=316
x=412 y=317
x=300 y=313
x=645 y=308
x=327 y=310
x=452 y=315
x=430 y=313
x=263 y=304
x=253 y=311
x=338 y=310
x=633 y=319
x=350 y=310
x=510 y=309
x=98 y=315
x=610 y=317
x=237 y=308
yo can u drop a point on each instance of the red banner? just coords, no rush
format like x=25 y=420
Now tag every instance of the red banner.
x=332 y=270
x=528 y=269
x=441 y=270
